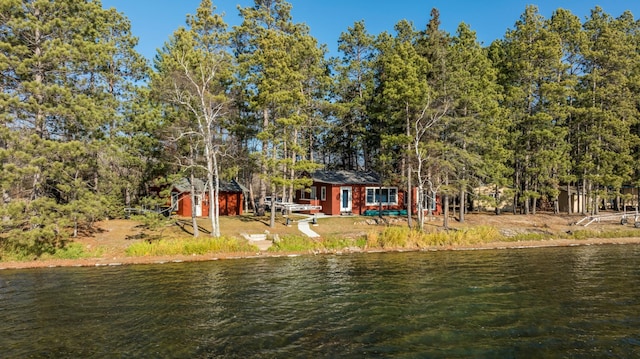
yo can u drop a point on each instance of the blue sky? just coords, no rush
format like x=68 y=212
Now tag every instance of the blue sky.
x=153 y=21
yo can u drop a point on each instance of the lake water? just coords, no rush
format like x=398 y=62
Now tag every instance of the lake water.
x=578 y=302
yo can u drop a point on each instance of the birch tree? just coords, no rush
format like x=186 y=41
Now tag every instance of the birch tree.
x=193 y=73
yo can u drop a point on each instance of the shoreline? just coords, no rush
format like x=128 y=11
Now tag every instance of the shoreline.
x=120 y=261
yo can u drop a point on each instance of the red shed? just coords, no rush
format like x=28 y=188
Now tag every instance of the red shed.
x=231 y=198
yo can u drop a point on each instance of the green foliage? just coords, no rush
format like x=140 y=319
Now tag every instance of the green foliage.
x=338 y=243
x=16 y=251
x=73 y=251
x=68 y=68
x=293 y=243
x=403 y=237
x=553 y=103
x=283 y=74
x=191 y=246
x=588 y=234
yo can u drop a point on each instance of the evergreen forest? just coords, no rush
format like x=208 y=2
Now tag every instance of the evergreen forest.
x=88 y=126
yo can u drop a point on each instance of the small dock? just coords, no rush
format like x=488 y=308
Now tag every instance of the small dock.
x=287 y=207
x=623 y=218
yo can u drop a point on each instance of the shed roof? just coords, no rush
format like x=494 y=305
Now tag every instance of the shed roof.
x=184 y=185
x=346 y=177
x=232 y=186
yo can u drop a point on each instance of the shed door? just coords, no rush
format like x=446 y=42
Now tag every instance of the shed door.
x=345 y=199
x=198 y=206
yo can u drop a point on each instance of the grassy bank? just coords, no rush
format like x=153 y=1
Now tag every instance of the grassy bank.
x=337 y=234
x=390 y=238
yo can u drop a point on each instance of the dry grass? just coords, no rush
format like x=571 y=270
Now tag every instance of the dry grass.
x=109 y=243
x=348 y=226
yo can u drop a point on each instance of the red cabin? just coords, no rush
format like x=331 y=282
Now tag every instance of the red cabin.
x=353 y=192
x=231 y=198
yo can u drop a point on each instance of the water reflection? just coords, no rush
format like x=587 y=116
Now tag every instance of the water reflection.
x=555 y=302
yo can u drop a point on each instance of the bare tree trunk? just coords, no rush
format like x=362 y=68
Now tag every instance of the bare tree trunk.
x=569 y=201
x=194 y=221
x=463 y=197
x=408 y=199
x=534 y=202
x=445 y=206
x=127 y=196
x=420 y=205
x=272 y=218
x=214 y=193
x=516 y=193
x=445 y=211
x=292 y=174
x=527 y=208
x=263 y=166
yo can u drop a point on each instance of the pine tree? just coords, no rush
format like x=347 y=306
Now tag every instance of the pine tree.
x=608 y=111
x=568 y=30
x=533 y=72
x=66 y=64
x=281 y=69
x=477 y=126
x=434 y=45
x=353 y=90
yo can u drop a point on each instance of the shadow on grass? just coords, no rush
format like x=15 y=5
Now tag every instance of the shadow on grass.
x=132 y=237
x=264 y=219
x=187 y=227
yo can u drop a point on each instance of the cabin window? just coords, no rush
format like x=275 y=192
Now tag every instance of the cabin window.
x=430 y=200
x=323 y=193
x=309 y=193
x=384 y=195
x=313 y=193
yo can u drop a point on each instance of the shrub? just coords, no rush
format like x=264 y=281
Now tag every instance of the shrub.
x=295 y=243
x=620 y=233
x=189 y=246
x=403 y=237
x=337 y=243
x=73 y=251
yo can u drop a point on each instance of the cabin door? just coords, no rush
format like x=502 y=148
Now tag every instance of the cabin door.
x=346 y=199
x=198 y=206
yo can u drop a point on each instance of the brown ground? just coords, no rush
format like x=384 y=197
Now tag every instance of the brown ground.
x=116 y=235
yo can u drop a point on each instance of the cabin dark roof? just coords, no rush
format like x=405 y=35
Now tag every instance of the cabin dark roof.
x=345 y=177
x=232 y=186
x=184 y=185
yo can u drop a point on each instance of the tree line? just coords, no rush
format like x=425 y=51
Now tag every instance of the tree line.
x=88 y=125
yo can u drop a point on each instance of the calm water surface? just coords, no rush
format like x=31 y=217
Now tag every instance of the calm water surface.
x=580 y=302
